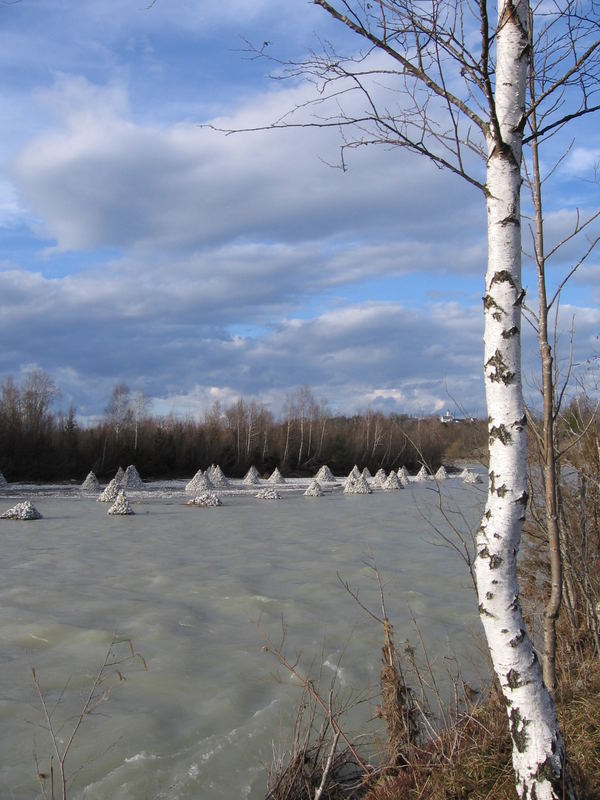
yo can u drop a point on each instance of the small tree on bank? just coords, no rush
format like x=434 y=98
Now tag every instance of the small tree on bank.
x=460 y=90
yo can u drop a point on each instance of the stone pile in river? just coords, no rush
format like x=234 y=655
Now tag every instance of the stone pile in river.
x=109 y=495
x=380 y=477
x=217 y=477
x=422 y=474
x=441 y=474
x=206 y=500
x=23 y=511
x=121 y=506
x=471 y=477
x=3 y=481
x=392 y=482
x=314 y=489
x=403 y=476
x=131 y=479
x=119 y=475
x=355 y=472
x=201 y=482
x=276 y=477
x=268 y=494
x=356 y=485
x=252 y=477
x=325 y=475
x=91 y=483
x=366 y=474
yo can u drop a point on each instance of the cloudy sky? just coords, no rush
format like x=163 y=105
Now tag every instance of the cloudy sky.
x=141 y=245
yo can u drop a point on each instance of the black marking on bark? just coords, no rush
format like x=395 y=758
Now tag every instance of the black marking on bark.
x=503 y=276
x=516 y=640
x=494 y=559
x=522 y=499
x=489 y=595
x=520 y=423
x=495 y=582
x=501 y=433
x=514 y=604
x=489 y=302
x=518 y=728
x=488 y=514
x=520 y=298
x=501 y=373
x=546 y=771
x=508 y=334
x=504 y=630
x=497 y=536
x=511 y=219
x=483 y=611
x=492 y=479
x=501 y=490
x=513 y=679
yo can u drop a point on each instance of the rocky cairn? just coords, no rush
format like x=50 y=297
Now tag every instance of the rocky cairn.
x=206 y=500
x=131 y=479
x=252 y=477
x=441 y=474
x=268 y=494
x=357 y=485
x=380 y=477
x=422 y=474
x=109 y=495
x=121 y=506
x=392 y=482
x=325 y=475
x=276 y=477
x=91 y=483
x=201 y=482
x=22 y=511
x=217 y=477
x=314 y=489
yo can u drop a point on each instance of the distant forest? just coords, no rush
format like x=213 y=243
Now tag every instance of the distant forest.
x=38 y=444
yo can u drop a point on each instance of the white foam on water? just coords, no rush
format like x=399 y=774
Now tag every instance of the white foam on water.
x=337 y=670
x=143 y=756
x=261 y=711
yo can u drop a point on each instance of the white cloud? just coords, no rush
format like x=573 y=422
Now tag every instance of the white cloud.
x=101 y=180
x=224 y=252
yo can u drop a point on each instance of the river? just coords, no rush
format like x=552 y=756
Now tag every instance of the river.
x=196 y=589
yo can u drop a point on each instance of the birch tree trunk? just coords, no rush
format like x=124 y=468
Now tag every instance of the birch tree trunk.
x=538 y=751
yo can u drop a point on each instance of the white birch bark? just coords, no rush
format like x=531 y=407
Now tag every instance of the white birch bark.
x=538 y=752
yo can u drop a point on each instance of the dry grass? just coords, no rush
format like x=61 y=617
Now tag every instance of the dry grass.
x=472 y=759
x=578 y=701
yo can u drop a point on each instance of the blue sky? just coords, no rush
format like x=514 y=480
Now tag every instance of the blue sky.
x=141 y=246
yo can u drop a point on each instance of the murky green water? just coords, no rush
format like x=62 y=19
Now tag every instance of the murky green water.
x=193 y=588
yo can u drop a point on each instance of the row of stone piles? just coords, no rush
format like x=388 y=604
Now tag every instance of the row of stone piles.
x=357 y=482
